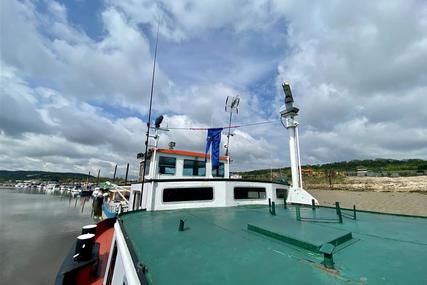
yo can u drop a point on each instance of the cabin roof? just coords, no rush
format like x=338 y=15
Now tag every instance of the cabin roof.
x=248 y=245
x=187 y=153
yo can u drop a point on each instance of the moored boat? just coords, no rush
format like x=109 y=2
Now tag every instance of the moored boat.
x=188 y=222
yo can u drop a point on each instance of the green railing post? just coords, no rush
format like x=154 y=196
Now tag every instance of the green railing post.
x=181 y=225
x=354 y=212
x=269 y=203
x=337 y=206
x=298 y=212
x=273 y=208
x=313 y=205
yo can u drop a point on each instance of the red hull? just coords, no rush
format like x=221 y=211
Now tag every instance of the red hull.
x=91 y=271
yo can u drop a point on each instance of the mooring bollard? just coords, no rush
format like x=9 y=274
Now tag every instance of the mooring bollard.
x=89 y=229
x=354 y=212
x=298 y=212
x=273 y=208
x=337 y=206
x=313 y=204
x=84 y=245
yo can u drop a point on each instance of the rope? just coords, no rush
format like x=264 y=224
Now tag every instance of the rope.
x=226 y=127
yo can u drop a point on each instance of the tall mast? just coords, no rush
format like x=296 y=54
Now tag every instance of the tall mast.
x=149 y=116
x=288 y=113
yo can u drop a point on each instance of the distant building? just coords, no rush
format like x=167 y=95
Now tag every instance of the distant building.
x=307 y=171
x=362 y=172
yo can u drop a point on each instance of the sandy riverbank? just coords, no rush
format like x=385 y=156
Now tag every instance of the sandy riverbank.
x=376 y=184
x=389 y=202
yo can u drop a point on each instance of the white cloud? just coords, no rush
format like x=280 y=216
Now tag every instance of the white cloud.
x=357 y=71
x=359 y=78
x=181 y=20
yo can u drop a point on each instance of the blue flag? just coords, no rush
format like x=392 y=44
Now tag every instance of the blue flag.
x=214 y=138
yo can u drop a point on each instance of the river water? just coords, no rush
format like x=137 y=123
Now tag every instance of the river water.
x=36 y=232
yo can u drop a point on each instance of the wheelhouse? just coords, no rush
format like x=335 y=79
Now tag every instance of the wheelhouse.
x=181 y=164
x=177 y=179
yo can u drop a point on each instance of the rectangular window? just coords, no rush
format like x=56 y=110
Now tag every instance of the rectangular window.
x=137 y=200
x=218 y=172
x=167 y=165
x=194 y=168
x=281 y=193
x=187 y=194
x=242 y=193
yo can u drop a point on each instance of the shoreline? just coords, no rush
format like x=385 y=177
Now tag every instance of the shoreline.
x=407 y=203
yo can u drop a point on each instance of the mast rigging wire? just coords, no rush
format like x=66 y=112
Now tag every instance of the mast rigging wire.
x=226 y=127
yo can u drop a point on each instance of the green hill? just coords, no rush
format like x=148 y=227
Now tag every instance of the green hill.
x=6 y=175
x=373 y=165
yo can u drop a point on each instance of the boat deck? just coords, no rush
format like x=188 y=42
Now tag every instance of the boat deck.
x=248 y=245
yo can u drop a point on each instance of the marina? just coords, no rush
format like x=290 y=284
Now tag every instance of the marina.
x=199 y=142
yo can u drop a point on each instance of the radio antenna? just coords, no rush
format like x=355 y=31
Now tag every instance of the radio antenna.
x=231 y=105
x=149 y=116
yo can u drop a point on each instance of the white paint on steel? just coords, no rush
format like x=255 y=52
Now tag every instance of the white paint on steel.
x=124 y=265
x=110 y=254
x=299 y=158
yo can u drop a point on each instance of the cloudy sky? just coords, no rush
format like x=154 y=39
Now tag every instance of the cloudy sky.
x=75 y=79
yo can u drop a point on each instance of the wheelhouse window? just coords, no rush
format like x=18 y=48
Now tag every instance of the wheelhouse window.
x=167 y=165
x=243 y=193
x=187 y=194
x=219 y=171
x=281 y=193
x=194 y=168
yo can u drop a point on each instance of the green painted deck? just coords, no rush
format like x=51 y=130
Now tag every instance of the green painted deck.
x=218 y=247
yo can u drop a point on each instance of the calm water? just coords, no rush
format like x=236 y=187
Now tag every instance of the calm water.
x=36 y=232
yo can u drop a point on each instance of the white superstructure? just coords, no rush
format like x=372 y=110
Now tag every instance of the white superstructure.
x=179 y=179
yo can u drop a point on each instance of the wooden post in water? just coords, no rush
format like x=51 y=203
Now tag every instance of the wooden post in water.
x=127 y=171
x=97 y=179
x=115 y=171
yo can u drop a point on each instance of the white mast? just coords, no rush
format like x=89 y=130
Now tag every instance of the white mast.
x=288 y=112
